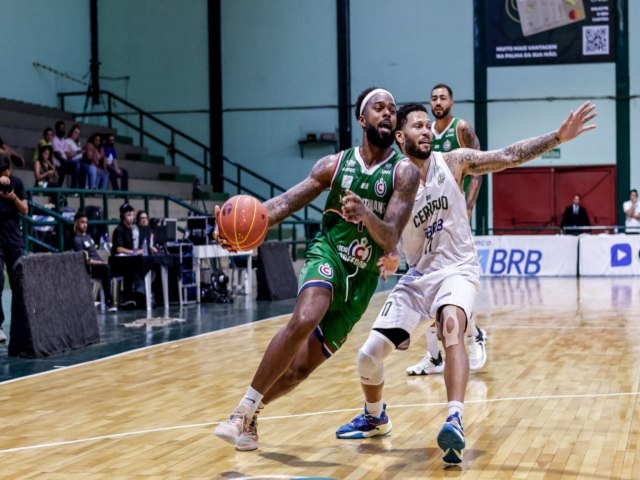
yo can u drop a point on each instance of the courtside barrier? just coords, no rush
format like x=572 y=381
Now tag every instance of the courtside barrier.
x=528 y=255
x=609 y=255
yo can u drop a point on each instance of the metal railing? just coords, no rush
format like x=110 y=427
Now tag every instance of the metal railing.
x=59 y=196
x=242 y=177
x=32 y=228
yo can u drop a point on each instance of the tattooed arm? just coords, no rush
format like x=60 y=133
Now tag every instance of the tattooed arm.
x=302 y=194
x=386 y=232
x=297 y=197
x=469 y=139
x=477 y=163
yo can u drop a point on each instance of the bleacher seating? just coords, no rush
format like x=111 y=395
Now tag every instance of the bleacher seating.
x=21 y=126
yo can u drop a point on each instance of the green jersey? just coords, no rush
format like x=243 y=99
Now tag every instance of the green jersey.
x=448 y=140
x=352 y=242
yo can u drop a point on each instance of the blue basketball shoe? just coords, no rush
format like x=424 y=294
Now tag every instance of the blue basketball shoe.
x=366 y=425
x=451 y=440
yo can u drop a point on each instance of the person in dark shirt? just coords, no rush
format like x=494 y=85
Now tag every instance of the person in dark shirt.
x=122 y=238
x=12 y=204
x=100 y=270
x=575 y=215
x=122 y=244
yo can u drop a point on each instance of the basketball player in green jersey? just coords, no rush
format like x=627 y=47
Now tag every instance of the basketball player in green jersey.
x=450 y=133
x=371 y=194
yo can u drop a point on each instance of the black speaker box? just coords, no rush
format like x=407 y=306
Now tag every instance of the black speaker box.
x=52 y=309
x=275 y=274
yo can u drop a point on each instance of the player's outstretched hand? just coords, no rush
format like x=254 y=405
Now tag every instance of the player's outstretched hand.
x=388 y=264
x=220 y=240
x=576 y=123
x=353 y=208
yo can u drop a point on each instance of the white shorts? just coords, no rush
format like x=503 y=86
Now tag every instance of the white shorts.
x=416 y=299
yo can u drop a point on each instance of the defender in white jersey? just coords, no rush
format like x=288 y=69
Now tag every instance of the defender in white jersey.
x=443 y=278
x=450 y=133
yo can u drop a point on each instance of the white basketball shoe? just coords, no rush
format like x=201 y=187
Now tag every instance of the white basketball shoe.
x=477 y=350
x=427 y=366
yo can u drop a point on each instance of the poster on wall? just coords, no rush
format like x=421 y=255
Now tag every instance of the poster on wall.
x=549 y=32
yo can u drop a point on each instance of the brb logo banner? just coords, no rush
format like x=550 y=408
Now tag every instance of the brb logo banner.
x=527 y=255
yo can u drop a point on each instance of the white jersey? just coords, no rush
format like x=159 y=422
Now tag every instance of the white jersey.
x=631 y=224
x=438 y=235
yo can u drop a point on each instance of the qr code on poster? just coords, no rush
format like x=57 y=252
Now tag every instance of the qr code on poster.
x=595 y=40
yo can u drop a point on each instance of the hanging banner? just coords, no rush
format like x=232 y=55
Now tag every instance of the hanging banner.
x=549 y=32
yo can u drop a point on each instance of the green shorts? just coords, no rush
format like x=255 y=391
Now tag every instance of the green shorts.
x=350 y=294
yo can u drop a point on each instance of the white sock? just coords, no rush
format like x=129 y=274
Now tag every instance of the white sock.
x=250 y=402
x=455 y=407
x=432 y=342
x=375 y=408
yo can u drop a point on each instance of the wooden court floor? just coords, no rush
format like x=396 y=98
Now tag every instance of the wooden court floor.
x=558 y=399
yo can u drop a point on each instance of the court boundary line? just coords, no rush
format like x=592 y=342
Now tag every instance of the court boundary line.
x=310 y=414
x=60 y=368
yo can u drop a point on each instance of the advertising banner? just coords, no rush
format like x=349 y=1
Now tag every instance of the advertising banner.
x=528 y=255
x=549 y=32
x=615 y=255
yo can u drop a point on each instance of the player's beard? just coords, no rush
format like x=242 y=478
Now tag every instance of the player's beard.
x=374 y=137
x=413 y=150
x=445 y=112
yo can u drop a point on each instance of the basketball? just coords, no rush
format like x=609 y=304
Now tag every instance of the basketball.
x=243 y=222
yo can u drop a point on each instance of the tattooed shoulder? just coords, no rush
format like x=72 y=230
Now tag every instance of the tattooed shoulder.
x=455 y=159
x=325 y=167
x=469 y=137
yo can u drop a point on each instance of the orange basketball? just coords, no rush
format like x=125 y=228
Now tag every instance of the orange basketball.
x=243 y=222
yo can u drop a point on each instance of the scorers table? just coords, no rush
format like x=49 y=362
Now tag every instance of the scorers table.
x=204 y=252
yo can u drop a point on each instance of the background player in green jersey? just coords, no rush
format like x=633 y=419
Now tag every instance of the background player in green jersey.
x=372 y=189
x=450 y=133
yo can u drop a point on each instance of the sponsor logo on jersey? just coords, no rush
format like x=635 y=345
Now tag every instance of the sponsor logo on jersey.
x=364 y=186
x=381 y=187
x=325 y=270
x=377 y=206
x=446 y=146
x=351 y=163
x=347 y=180
x=356 y=253
x=359 y=249
x=349 y=169
x=430 y=207
x=440 y=175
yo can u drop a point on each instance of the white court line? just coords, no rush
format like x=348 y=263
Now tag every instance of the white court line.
x=58 y=368
x=311 y=414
